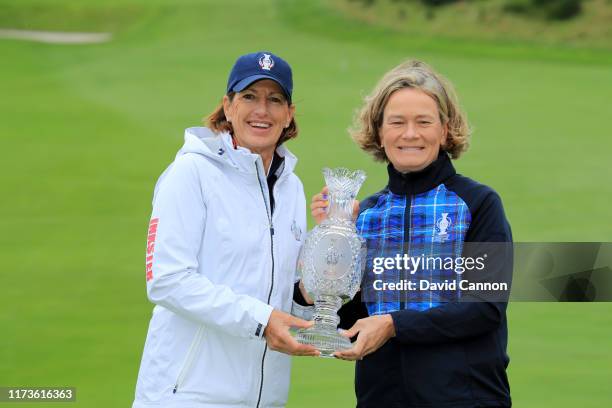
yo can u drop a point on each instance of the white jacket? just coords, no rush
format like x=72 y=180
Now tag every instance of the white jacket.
x=217 y=265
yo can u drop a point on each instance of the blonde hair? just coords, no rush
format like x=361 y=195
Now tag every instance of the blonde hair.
x=217 y=122
x=417 y=75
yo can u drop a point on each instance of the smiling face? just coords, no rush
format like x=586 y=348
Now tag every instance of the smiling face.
x=258 y=115
x=411 y=132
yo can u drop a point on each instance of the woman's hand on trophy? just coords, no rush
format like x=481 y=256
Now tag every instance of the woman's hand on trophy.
x=372 y=333
x=279 y=339
x=320 y=203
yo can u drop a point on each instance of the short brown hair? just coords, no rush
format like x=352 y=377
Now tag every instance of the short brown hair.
x=418 y=75
x=218 y=123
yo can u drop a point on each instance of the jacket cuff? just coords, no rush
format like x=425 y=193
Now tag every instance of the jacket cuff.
x=261 y=314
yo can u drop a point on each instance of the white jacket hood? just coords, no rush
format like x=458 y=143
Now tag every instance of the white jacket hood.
x=219 y=147
x=204 y=141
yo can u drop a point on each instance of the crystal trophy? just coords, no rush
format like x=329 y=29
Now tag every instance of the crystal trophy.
x=332 y=261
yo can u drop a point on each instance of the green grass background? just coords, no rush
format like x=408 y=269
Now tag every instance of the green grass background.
x=86 y=130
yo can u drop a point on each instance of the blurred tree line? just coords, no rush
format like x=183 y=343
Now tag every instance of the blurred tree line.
x=547 y=9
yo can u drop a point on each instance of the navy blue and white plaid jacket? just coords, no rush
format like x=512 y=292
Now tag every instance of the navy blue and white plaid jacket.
x=445 y=353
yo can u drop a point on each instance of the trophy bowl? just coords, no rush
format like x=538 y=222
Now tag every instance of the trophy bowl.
x=331 y=262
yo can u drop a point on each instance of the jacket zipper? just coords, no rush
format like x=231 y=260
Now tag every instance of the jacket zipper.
x=407 y=229
x=193 y=351
x=269 y=214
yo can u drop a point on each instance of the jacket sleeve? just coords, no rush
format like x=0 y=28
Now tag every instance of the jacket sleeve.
x=461 y=320
x=173 y=280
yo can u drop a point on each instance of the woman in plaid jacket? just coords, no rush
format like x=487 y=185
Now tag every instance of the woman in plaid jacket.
x=424 y=348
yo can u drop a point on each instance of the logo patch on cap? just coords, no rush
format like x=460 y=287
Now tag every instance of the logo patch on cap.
x=266 y=62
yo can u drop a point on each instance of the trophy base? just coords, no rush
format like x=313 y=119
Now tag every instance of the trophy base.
x=324 y=340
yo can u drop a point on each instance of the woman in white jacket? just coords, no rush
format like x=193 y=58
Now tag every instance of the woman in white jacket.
x=228 y=221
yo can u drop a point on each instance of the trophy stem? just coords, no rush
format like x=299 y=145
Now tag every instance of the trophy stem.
x=326 y=310
x=324 y=333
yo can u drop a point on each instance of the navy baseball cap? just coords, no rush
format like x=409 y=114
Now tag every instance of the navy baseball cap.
x=260 y=65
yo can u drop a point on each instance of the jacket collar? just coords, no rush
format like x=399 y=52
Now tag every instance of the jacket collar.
x=244 y=160
x=423 y=180
x=219 y=147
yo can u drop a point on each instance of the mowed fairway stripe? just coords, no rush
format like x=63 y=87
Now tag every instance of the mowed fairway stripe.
x=55 y=37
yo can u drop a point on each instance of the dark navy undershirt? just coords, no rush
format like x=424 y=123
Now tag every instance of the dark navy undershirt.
x=277 y=161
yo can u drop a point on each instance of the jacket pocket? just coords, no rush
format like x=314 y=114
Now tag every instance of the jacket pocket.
x=193 y=351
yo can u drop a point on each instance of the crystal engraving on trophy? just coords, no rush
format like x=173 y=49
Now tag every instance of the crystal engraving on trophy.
x=332 y=261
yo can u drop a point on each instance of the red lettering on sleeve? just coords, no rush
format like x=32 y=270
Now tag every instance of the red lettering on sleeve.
x=153 y=226
x=152 y=234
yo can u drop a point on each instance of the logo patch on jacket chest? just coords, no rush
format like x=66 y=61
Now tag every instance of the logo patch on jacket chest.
x=297 y=231
x=442 y=225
